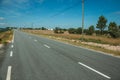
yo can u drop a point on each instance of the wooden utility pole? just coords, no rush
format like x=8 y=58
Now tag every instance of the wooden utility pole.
x=82 y=19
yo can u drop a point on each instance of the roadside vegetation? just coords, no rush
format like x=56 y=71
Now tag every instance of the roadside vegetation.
x=5 y=38
x=101 y=37
x=74 y=39
x=5 y=35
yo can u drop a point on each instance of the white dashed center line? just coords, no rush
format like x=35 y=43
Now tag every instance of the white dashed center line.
x=11 y=53
x=46 y=46
x=35 y=40
x=13 y=39
x=8 y=77
x=95 y=70
x=12 y=46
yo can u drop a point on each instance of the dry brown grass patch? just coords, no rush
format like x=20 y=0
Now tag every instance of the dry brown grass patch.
x=6 y=37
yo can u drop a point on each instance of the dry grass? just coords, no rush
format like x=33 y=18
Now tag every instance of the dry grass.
x=6 y=37
x=103 y=39
x=69 y=38
x=87 y=38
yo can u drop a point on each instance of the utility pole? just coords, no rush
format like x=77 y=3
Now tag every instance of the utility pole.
x=82 y=19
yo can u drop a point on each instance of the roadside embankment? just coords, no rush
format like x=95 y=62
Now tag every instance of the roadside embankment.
x=99 y=43
x=5 y=39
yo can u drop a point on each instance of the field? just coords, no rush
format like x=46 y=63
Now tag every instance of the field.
x=6 y=37
x=101 y=43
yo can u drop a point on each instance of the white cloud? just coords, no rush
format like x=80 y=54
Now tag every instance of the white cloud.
x=19 y=4
x=40 y=1
x=6 y=2
x=118 y=12
x=2 y=23
x=64 y=0
x=2 y=18
x=63 y=14
x=15 y=13
x=14 y=7
x=21 y=1
x=9 y=12
x=11 y=2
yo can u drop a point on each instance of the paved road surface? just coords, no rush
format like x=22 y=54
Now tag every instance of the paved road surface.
x=30 y=57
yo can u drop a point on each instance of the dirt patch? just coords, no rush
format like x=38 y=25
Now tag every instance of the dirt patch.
x=106 y=46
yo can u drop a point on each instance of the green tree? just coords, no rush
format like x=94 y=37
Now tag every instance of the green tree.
x=86 y=31
x=43 y=28
x=79 y=30
x=91 y=30
x=58 y=30
x=114 y=30
x=119 y=27
x=101 y=24
x=112 y=27
x=72 y=30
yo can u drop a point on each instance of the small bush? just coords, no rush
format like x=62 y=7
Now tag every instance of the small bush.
x=72 y=30
x=58 y=30
x=115 y=34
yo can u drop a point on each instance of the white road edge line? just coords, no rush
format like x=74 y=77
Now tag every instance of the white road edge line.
x=8 y=77
x=46 y=46
x=95 y=70
x=11 y=53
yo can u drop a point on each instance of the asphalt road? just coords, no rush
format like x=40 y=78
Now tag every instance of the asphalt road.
x=30 y=57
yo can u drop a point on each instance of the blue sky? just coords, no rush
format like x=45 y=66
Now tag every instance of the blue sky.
x=56 y=13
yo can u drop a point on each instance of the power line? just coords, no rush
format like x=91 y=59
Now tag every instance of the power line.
x=66 y=9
